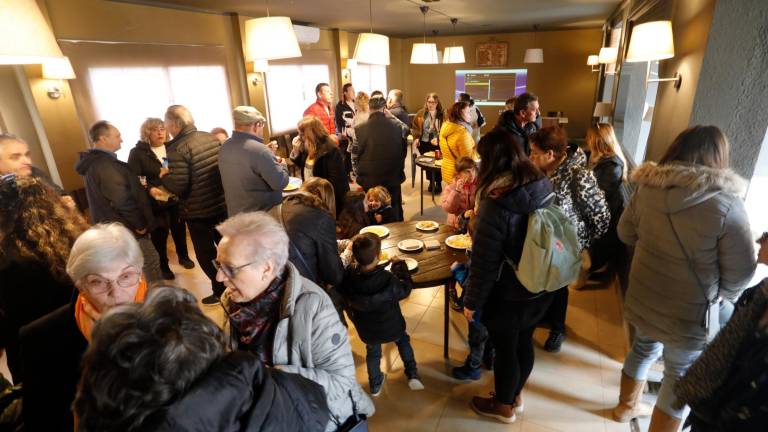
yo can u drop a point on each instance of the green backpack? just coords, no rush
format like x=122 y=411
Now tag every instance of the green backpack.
x=551 y=257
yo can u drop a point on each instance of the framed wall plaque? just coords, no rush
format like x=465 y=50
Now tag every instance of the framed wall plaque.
x=491 y=54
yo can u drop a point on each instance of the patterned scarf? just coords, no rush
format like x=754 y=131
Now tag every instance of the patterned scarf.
x=255 y=322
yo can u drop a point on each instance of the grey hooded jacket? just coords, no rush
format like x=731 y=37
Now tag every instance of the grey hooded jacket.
x=664 y=299
x=311 y=341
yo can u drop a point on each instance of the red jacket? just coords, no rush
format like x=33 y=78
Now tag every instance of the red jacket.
x=324 y=113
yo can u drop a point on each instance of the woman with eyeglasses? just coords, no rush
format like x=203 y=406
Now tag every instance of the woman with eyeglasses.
x=36 y=233
x=284 y=319
x=105 y=264
x=425 y=129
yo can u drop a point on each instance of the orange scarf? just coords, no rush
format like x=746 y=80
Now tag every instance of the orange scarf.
x=86 y=315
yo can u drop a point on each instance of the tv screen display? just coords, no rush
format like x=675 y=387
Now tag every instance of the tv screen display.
x=491 y=87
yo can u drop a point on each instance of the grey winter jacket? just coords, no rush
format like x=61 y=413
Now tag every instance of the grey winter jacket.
x=311 y=341
x=252 y=178
x=664 y=299
x=193 y=161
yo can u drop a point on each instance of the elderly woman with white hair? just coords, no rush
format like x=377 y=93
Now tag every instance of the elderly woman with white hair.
x=283 y=318
x=105 y=265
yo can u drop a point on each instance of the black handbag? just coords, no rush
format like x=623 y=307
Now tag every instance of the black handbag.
x=355 y=423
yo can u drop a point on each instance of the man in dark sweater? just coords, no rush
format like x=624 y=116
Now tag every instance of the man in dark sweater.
x=115 y=193
x=371 y=295
x=522 y=119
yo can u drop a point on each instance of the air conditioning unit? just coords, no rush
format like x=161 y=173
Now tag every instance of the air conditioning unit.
x=306 y=34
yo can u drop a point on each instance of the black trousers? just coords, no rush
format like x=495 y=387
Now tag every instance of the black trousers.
x=555 y=315
x=204 y=240
x=169 y=220
x=510 y=327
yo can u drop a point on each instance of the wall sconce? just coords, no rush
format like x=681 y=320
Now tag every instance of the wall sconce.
x=594 y=60
x=653 y=41
x=58 y=69
x=255 y=70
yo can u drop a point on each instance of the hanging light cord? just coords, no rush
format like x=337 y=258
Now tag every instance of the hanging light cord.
x=267 y=3
x=424 y=10
x=370 y=13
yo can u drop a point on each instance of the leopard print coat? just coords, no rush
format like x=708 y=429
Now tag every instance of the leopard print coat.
x=580 y=198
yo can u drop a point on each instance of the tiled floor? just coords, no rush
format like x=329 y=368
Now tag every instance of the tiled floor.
x=569 y=391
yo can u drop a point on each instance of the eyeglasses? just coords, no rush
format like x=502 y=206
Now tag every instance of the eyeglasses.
x=100 y=285
x=229 y=271
x=431 y=102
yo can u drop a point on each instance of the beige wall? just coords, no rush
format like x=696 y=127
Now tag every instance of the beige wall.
x=563 y=82
x=691 y=22
x=112 y=21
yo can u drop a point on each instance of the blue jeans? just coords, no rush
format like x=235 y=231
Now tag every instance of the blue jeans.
x=373 y=359
x=676 y=361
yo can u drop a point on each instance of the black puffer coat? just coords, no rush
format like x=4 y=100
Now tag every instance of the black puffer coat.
x=372 y=301
x=313 y=232
x=193 y=161
x=500 y=229
x=238 y=393
x=609 y=172
x=114 y=192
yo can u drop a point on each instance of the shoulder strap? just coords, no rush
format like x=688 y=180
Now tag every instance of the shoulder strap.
x=689 y=262
x=279 y=210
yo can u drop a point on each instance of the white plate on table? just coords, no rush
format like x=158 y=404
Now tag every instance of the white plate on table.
x=379 y=230
x=427 y=225
x=410 y=262
x=429 y=154
x=384 y=257
x=293 y=184
x=459 y=241
x=410 y=245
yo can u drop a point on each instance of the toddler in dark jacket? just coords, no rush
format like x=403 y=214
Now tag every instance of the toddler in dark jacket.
x=371 y=296
x=379 y=206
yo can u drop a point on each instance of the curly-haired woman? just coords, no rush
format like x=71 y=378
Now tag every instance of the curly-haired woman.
x=36 y=233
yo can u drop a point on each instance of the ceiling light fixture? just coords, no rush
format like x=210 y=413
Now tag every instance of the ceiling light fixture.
x=653 y=41
x=271 y=38
x=534 y=55
x=372 y=48
x=424 y=53
x=27 y=38
x=454 y=54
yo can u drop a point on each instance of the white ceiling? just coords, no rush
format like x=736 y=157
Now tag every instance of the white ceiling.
x=403 y=18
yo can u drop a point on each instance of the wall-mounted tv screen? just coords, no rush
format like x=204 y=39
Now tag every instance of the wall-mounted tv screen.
x=491 y=87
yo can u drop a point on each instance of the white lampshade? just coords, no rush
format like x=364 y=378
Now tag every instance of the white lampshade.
x=261 y=65
x=608 y=55
x=603 y=109
x=651 y=41
x=372 y=48
x=534 y=55
x=424 y=53
x=453 y=54
x=27 y=38
x=351 y=63
x=270 y=38
x=59 y=68
x=593 y=60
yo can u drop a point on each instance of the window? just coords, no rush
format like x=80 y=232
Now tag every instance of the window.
x=757 y=206
x=290 y=90
x=126 y=96
x=368 y=77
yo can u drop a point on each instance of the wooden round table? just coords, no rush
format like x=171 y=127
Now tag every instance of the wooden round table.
x=434 y=265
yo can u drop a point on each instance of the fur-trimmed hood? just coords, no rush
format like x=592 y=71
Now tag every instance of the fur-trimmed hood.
x=686 y=185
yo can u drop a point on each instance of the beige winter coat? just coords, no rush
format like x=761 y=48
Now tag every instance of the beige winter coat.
x=664 y=299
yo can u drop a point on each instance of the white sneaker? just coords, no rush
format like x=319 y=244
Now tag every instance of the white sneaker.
x=415 y=384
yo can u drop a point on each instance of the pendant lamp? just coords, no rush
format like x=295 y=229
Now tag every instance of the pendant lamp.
x=424 y=53
x=27 y=38
x=372 y=48
x=270 y=38
x=534 y=55
x=454 y=54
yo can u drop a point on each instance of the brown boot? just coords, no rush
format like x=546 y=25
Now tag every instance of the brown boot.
x=663 y=422
x=492 y=407
x=630 y=400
